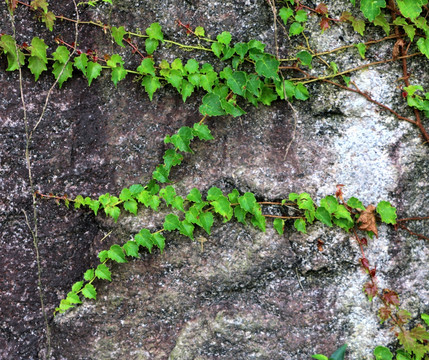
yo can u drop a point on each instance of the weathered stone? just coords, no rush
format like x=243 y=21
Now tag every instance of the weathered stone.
x=238 y=293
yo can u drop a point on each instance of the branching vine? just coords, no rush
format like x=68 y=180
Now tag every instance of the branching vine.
x=250 y=76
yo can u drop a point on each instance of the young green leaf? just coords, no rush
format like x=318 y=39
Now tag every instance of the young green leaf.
x=382 y=353
x=268 y=66
x=259 y=221
x=89 y=274
x=89 y=291
x=168 y=194
x=8 y=44
x=154 y=31
x=372 y=8
x=362 y=49
x=171 y=222
x=387 y=212
x=324 y=216
x=339 y=353
x=178 y=203
x=187 y=229
x=36 y=66
x=147 y=66
x=81 y=62
x=355 y=203
x=131 y=206
x=249 y=204
x=151 y=45
x=214 y=193
x=93 y=71
x=194 y=196
x=38 y=49
x=151 y=84
x=224 y=38
x=182 y=139
x=411 y=8
x=172 y=158
x=240 y=214
x=305 y=57
x=77 y=286
x=299 y=224
x=159 y=241
x=131 y=248
x=116 y=253
x=199 y=31
x=319 y=357
x=301 y=16
x=279 y=225
x=211 y=105
x=223 y=207
x=144 y=238
x=206 y=220
x=103 y=272
x=285 y=14
x=118 y=34
x=73 y=298
x=295 y=29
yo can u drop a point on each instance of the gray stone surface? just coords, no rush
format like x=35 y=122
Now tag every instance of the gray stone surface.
x=246 y=294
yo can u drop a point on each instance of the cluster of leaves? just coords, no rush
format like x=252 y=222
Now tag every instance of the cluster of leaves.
x=414 y=342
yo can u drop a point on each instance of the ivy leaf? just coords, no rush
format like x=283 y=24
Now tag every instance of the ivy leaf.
x=362 y=49
x=89 y=274
x=192 y=66
x=38 y=49
x=118 y=35
x=93 y=71
x=81 y=62
x=342 y=213
x=387 y=212
x=171 y=222
x=285 y=14
x=411 y=8
x=103 y=272
x=279 y=225
x=301 y=92
x=319 y=357
x=214 y=193
x=116 y=253
x=131 y=206
x=36 y=66
x=73 y=298
x=267 y=96
x=202 y=131
x=199 y=31
x=358 y=26
x=89 y=291
x=295 y=29
x=151 y=45
x=355 y=203
x=324 y=216
x=182 y=139
x=372 y=8
x=305 y=57
x=168 y=194
x=299 y=224
x=240 y=214
x=187 y=89
x=268 y=66
x=151 y=84
x=380 y=20
x=178 y=203
x=154 y=31
x=206 y=220
x=187 y=229
x=237 y=82
x=249 y=204
x=223 y=207
x=172 y=158
x=49 y=19
x=159 y=241
x=144 y=238
x=339 y=353
x=241 y=49
x=147 y=67
x=423 y=45
x=61 y=54
x=194 y=196
x=233 y=196
x=131 y=248
x=425 y=318
x=65 y=74
x=77 y=286
x=211 y=105
x=224 y=38
x=8 y=44
x=103 y=255
x=42 y=4
x=301 y=16
x=407 y=340
x=259 y=221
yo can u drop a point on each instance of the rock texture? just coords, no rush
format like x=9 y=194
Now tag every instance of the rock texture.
x=243 y=294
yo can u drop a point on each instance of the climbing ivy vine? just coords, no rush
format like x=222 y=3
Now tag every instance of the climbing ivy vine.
x=249 y=75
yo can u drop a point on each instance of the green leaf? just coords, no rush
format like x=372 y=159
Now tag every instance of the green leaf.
x=151 y=45
x=113 y=211
x=214 y=193
x=411 y=8
x=202 y=131
x=81 y=62
x=144 y=238
x=182 y=139
x=268 y=66
x=131 y=248
x=259 y=221
x=187 y=229
x=116 y=253
x=187 y=89
x=233 y=196
x=154 y=31
x=358 y=26
x=334 y=67
x=382 y=353
x=425 y=318
x=194 y=196
x=231 y=108
x=410 y=31
x=223 y=207
x=295 y=29
x=147 y=67
x=380 y=20
x=49 y=19
x=305 y=57
x=178 y=203
x=118 y=35
x=38 y=49
x=159 y=241
x=319 y=357
x=241 y=49
x=168 y=194
x=131 y=206
x=362 y=49
x=93 y=71
x=171 y=222
x=343 y=223
x=89 y=291
x=151 y=84
x=240 y=214
x=407 y=341
x=172 y=158
x=192 y=66
x=89 y=274
x=103 y=272
x=66 y=73
x=217 y=48
x=299 y=224
x=324 y=216
x=279 y=225
x=118 y=74
x=355 y=203
x=77 y=286
x=342 y=213
x=36 y=66
x=211 y=105
x=224 y=38
x=103 y=255
x=339 y=353
x=423 y=45
x=73 y=298
x=301 y=92
x=285 y=14
x=40 y=4
x=237 y=82
x=61 y=54
x=301 y=16
x=8 y=44
x=249 y=204
x=372 y=8
x=175 y=78
x=206 y=220
x=199 y=31
x=387 y=212
x=330 y=203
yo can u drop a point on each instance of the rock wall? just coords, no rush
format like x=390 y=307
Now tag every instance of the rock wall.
x=243 y=294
